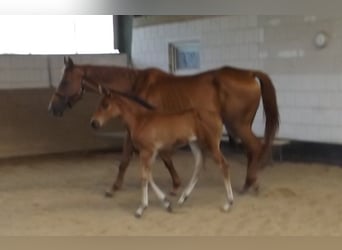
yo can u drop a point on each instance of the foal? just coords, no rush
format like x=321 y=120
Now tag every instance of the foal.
x=156 y=133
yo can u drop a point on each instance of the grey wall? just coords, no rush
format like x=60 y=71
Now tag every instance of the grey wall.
x=26 y=128
x=308 y=81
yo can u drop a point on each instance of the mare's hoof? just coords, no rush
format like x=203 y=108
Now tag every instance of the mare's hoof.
x=255 y=189
x=109 y=194
x=173 y=192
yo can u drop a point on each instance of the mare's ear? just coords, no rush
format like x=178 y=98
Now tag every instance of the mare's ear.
x=70 y=62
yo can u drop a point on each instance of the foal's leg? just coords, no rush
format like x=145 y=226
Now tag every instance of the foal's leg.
x=166 y=157
x=227 y=184
x=160 y=194
x=145 y=161
x=214 y=147
x=125 y=160
x=194 y=178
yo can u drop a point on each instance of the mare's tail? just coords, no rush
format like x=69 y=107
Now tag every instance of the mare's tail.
x=271 y=112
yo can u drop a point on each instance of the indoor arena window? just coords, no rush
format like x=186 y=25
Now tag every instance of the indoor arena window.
x=184 y=56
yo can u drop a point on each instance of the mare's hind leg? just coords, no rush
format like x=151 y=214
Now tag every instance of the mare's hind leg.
x=194 y=178
x=166 y=157
x=125 y=160
x=254 y=148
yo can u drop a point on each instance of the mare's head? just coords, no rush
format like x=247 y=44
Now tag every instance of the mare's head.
x=69 y=90
x=106 y=110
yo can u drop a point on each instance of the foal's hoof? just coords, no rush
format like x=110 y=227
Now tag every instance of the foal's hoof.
x=169 y=209
x=182 y=199
x=227 y=207
x=139 y=212
x=173 y=192
x=168 y=206
x=137 y=215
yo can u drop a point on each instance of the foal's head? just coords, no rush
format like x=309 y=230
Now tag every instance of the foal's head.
x=115 y=104
x=69 y=90
x=106 y=110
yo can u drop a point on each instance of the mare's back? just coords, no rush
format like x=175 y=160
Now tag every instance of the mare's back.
x=178 y=93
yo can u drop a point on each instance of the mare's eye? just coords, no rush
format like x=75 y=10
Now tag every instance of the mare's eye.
x=105 y=105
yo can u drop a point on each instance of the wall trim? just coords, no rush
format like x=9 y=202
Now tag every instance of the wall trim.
x=142 y=21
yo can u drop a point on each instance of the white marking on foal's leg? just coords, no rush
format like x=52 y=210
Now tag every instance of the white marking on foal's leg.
x=194 y=178
x=160 y=194
x=229 y=194
x=228 y=187
x=144 y=200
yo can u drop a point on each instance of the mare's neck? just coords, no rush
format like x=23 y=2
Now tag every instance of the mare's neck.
x=111 y=77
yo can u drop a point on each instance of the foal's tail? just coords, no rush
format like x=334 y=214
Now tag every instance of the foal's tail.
x=269 y=101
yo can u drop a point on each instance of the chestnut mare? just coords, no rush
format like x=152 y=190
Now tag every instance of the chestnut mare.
x=154 y=133
x=234 y=93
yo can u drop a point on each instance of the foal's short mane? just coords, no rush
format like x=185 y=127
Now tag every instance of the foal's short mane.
x=133 y=98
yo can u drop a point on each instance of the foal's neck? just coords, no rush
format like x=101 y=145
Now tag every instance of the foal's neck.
x=131 y=112
x=111 y=77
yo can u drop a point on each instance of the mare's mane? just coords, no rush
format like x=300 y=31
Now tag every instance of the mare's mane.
x=133 y=98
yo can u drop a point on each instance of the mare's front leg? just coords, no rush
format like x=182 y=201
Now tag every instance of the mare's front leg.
x=253 y=147
x=166 y=157
x=125 y=160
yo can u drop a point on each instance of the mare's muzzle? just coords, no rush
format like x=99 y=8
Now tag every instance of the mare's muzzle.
x=57 y=107
x=60 y=103
x=95 y=124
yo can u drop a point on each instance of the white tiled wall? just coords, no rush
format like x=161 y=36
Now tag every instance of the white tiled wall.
x=31 y=71
x=308 y=81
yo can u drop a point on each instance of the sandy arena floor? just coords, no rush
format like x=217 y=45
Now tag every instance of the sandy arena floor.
x=63 y=195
